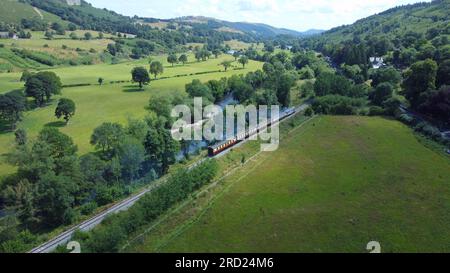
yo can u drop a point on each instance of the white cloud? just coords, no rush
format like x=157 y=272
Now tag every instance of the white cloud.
x=294 y=14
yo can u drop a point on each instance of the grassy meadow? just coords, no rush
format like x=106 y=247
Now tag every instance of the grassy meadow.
x=111 y=102
x=335 y=184
x=55 y=46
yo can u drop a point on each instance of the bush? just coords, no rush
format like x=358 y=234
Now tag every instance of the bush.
x=336 y=105
x=363 y=112
x=39 y=57
x=70 y=216
x=376 y=111
x=88 y=208
x=21 y=243
x=405 y=118
x=309 y=112
x=428 y=130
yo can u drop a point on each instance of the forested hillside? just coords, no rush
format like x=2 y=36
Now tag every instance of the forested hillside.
x=413 y=44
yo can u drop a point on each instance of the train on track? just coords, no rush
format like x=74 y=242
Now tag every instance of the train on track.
x=227 y=144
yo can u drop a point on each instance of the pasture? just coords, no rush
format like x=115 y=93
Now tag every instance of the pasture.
x=335 y=184
x=111 y=102
x=55 y=46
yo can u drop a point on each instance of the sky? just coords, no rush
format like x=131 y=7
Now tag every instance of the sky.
x=298 y=15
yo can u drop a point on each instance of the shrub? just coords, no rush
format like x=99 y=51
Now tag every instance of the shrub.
x=39 y=57
x=405 y=118
x=376 y=111
x=336 y=105
x=363 y=112
x=88 y=208
x=309 y=112
x=70 y=216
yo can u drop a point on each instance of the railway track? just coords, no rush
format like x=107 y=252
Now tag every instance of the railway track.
x=89 y=224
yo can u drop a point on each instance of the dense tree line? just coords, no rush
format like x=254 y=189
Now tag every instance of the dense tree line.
x=113 y=233
x=54 y=186
x=423 y=54
x=269 y=86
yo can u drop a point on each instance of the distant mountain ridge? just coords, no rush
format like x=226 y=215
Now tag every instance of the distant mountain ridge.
x=259 y=29
x=77 y=11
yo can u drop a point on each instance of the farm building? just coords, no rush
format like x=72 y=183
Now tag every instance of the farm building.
x=7 y=35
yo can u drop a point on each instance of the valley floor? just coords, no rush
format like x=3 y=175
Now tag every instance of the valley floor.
x=335 y=184
x=115 y=101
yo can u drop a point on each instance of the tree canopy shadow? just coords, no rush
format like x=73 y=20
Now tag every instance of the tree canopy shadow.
x=5 y=127
x=133 y=88
x=56 y=124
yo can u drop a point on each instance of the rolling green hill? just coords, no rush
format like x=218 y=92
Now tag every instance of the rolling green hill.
x=260 y=30
x=13 y=11
x=90 y=17
x=397 y=27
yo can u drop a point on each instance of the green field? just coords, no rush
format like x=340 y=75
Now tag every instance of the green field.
x=110 y=102
x=61 y=48
x=55 y=45
x=335 y=184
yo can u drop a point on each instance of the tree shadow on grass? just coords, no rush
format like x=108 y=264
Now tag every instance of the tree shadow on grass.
x=5 y=128
x=56 y=124
x=133 y=88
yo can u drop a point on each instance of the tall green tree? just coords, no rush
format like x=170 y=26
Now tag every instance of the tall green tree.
x=160 y=146
x=42 y=86
x=12 y=105
x=183 y=59
x=88 y=36
x=54 y=198
x=287 y=81
x=172 y=59
x=216 y=52
x=107 y=136
x=226 y=65
x=66 y=108
x=243 y=60
x=131 y=154
x=140 y=75
x=197 y=89
x=21 y=136
x=156 y=68
x=443 y=74
x=388 y=74
x=420 y=78
x=381 y=93
x=161 y=106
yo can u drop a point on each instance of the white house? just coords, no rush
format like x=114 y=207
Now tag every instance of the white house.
x=73 y=2
x=377 y=62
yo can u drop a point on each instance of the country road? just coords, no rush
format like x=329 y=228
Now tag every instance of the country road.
x=87 y=225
